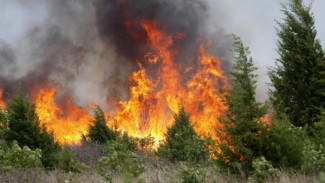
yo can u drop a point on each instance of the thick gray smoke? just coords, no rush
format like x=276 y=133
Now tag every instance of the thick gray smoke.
x=57 y=41
x=84 y=48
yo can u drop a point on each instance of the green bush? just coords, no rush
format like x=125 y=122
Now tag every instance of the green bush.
x=191 y=174
x=20 y=157
x=24 y=127
x=68 y=161
x=263 y=169
x=182 y=143
x=314 y=150
x=313 y=158
x=318 y=129
x=285 y=144
x=3 y=117
x=121 y=160
x=146 y=142
x=3 y=125
x=126 y=143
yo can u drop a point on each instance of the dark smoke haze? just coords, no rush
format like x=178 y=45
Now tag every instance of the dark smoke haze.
x=83 y=46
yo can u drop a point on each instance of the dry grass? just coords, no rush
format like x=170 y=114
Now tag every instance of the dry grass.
x=156 y=172
x=286 y=177
x=88 y=153
x=54 y=176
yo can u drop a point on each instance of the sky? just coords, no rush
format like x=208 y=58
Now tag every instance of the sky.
x=253 y=20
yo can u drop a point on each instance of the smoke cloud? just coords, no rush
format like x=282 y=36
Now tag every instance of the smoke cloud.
x=85 y=48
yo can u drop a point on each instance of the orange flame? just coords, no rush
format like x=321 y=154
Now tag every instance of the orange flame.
x=204 y=101
x=156 y=93
x=152 y=103
x=2 y=103
x=68 y=125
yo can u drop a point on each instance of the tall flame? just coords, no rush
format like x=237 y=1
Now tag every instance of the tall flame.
x=157 y=90
x=2 y=103
x=152 y=103
x=68 y=125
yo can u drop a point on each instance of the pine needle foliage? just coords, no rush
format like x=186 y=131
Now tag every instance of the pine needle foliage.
x=182 y=143
x=99 y=132
x=25 y=128
x=285 y=143
x=299 y=76
x=242 y=132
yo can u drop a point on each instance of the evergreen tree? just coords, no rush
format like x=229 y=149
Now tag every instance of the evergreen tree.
x=24 y=127
x=299 y=76
x=182 y=143
x=98 y=131
x=242 y=133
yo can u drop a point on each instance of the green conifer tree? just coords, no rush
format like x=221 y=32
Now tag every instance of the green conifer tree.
x=24 y=127
x=98 y=131
x=299 y=76
x=242 y=133
x=182 y=143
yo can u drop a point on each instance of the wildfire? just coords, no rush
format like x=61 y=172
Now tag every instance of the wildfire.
x=68 y=122
x=2 y=103
x=157 y=90
x=204 y=101
x=153 y=103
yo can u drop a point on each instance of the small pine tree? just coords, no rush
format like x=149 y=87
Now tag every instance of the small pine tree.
x=182 y=143
x=98 y=131
x=298 y=78
x=242 y=133
x=24 y=127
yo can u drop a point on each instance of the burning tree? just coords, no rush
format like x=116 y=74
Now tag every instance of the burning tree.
x=242 y=133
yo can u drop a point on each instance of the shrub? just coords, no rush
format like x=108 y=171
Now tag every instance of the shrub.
x=68 y=161
x=313 y=157
x=285 y=143
x=126 y=143
x=121 y=160
x=146 y=142
x=263 y=169
x=3 y=117
x=191 y=174
x=3 y=126
x=20 y=157
x=318 y=129
x=24 y=127
x=182 y=143
x=314 y=150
